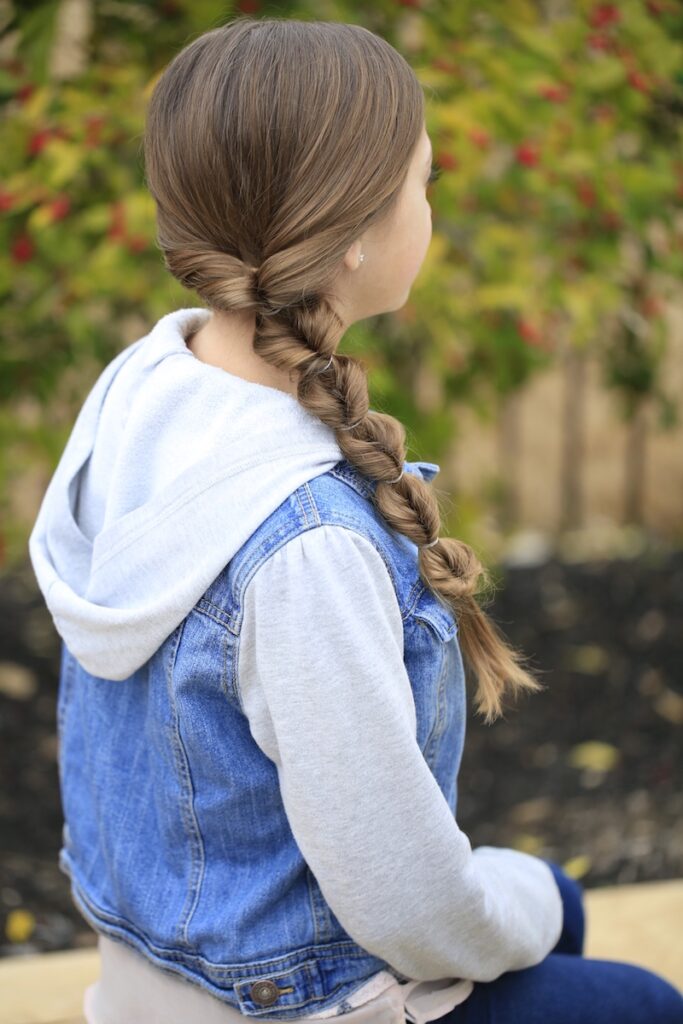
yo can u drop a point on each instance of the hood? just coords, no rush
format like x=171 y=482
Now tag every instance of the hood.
x=169 y=468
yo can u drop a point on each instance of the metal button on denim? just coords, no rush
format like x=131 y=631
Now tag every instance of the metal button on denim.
x=264 y=992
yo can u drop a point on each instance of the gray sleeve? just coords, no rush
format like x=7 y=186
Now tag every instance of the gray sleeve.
x=329 y=701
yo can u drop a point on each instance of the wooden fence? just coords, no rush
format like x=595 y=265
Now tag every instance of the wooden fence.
x=558 y=456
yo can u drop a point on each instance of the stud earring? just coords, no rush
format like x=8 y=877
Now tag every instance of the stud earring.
x=361 y=257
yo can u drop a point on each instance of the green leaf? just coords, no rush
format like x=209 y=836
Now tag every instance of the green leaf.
x=36 y=38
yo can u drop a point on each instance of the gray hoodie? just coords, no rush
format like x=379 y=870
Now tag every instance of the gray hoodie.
x=165 y=446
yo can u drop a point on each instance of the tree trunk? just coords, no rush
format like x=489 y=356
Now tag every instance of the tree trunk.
x=573 y=415
x=508 y=461
x=634 y=467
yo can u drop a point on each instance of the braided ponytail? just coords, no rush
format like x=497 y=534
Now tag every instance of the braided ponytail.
x=254 y=213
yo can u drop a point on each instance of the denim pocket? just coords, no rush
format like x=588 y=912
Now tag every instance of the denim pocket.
x=440 y=618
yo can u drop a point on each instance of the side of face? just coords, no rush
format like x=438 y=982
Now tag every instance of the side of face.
x=394 y=250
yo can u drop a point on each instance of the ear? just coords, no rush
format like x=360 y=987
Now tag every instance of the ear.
x=351 y=260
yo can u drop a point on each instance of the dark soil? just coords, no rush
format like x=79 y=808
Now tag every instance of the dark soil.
x=584 y=772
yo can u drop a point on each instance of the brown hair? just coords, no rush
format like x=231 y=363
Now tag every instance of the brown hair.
x=270 y=146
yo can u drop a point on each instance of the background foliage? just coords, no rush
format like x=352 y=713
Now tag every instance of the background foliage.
x=557 y=127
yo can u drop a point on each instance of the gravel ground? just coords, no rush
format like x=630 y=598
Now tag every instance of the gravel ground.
x=584 y=772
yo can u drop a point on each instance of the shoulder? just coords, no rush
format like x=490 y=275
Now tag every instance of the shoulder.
x=321 y=628
x=330 y=563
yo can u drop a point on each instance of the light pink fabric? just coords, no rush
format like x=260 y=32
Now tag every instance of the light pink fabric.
x=132 y=990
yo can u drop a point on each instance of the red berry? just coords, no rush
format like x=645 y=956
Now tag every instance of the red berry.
x=6 y=201
x=443 y=64
x=22 y=248
x=480 y=137
x=24 y=91
x=528 y=332
x=586 y=193
x=638 y=81
x=527 y=154
x=60 y=207
x=604 y=14
x=446 y=160
x=39 y=140
x=556 y=93
x=117 y=226
x=93 y=129
x=598 y=41
x=136 y=243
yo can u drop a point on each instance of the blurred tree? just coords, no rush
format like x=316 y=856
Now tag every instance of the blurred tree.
x=557 y=128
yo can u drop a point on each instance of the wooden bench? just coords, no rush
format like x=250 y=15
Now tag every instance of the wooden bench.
x=639 y=924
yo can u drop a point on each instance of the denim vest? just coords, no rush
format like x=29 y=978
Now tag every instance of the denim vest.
x=175 y=838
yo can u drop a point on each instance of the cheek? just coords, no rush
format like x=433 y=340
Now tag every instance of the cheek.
x=420 y=235
x=408 y=244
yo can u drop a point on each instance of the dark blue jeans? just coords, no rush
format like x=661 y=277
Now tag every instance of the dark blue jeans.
x=566 y=988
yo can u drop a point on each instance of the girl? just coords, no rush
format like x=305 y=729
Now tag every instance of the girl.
x=262 y=692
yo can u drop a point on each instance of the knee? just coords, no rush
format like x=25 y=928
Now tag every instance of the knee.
x=574 y=926
x=650 y=995
x=668 y=1001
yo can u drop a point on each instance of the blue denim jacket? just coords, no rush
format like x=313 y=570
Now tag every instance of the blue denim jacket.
x=154 y=770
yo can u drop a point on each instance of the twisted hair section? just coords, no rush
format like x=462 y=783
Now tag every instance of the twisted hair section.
x=271 y=145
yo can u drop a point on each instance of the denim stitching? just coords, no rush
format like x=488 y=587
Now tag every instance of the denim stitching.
x=440 y=717
x=65 y=687
x=187 y=806
x=99 y=916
